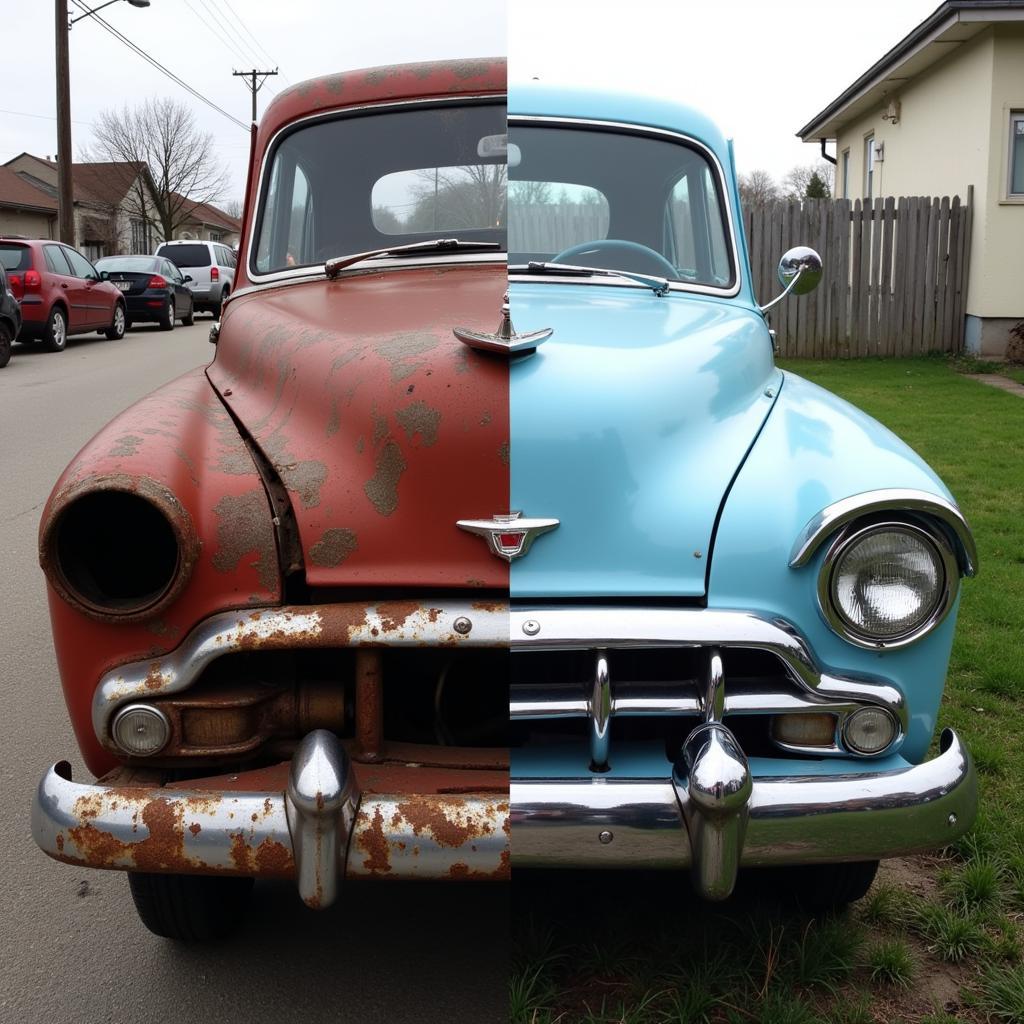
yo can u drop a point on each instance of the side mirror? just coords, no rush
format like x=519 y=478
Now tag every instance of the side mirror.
x=800 y=272
x=187 y=278
x=104 y=276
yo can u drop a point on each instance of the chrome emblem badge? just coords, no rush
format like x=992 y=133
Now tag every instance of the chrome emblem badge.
x=508 y=536
x=504 y=340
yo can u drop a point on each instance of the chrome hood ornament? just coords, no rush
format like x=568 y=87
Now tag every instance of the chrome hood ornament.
x=504 y=339
x=508 y=536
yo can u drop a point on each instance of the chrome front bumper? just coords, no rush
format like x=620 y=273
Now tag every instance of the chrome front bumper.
x=736 y=820
x=317 y=828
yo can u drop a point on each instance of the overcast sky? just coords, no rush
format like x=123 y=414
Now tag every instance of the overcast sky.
x=761 y=68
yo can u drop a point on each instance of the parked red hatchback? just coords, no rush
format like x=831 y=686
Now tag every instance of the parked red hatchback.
x=60 y=291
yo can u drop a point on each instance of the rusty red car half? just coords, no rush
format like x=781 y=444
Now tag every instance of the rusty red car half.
x=281 y=656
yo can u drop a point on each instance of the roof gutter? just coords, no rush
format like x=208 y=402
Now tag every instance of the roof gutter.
x=943 y=18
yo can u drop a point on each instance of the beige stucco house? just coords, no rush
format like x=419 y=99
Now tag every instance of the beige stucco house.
x=941 y=111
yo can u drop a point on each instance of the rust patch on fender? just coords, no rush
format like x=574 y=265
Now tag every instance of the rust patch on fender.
x=125 y=447
x=382 y=487
x=419 y=418
x=242 y=530
x=333 y=547
x=403 y=352
x=503 y=452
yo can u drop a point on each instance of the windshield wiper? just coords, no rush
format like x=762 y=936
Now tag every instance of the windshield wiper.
x=659 y=285
x=339 y=263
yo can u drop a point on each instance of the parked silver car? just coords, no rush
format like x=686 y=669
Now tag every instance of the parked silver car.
x=211 y=265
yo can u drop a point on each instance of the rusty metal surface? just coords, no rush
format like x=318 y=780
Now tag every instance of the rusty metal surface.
x=384 y=428
x=369 y=704
x=355 y=624
x=179 y=442
x=237 y=832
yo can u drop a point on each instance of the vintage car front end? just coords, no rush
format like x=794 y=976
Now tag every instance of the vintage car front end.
x=281 y=657
x=731 y=650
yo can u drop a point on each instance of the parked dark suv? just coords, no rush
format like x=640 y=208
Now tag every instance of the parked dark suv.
x=60 y=291
x=10 y=319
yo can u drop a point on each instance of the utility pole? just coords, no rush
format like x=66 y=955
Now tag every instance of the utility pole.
x=254 y=87
x=65 y=195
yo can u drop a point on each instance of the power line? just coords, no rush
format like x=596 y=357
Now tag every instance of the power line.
x=42 y=117
x=160 y=67
x=242 y=48
x=263 y=49
x=211 y=24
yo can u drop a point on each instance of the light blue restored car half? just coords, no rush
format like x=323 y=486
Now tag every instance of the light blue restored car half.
x=731 y=649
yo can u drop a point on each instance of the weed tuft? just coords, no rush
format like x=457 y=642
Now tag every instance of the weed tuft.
x=1002 y=994
x=891 y=962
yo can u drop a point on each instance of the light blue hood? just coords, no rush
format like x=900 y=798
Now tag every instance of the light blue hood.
x=628 y=426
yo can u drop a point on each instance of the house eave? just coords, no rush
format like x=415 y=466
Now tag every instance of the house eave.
x=951 y=25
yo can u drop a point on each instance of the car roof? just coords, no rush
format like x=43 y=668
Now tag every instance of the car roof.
x=541 y=99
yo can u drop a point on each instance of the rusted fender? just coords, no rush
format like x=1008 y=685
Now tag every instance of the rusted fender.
x=180 y=448
x=385 y=429
x=412 y=835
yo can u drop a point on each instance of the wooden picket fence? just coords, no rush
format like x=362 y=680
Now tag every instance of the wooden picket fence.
x=895 y=274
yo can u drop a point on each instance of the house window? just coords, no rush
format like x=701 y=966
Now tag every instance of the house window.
x=869 y=166
x=139 y=236
x=846 y=174
x=1017 y=153
x=214 y=236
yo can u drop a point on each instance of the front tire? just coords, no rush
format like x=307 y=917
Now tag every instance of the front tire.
x=167 y=316
x=6 y=344
x=190 y=908
x=115 y=332
x=55 y=338
x=827 y=888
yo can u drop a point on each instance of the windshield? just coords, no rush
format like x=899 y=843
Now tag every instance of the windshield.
x=602 y=198
x=128 y=264
x=358 y=183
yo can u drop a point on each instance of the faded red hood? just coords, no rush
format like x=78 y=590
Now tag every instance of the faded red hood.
x=383 y=426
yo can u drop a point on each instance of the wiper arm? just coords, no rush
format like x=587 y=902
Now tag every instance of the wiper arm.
x=339 y=263
x=659 y=285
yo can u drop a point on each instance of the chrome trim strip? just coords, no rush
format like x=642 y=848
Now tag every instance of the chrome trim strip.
x=839 y=513
x=133 y=828
x=380 y=624
x=599 y=711
x=641 y=129
x=798 y=820
x=848 y=536
x=330 y=115
x=553 y=629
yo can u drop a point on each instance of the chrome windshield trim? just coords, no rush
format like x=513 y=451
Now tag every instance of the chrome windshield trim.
x=839 y=513
x=338 y=113
x=665 y=133
x=354 y=624
x=560 y=629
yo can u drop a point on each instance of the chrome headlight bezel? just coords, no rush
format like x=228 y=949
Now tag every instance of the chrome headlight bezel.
x=854 y=534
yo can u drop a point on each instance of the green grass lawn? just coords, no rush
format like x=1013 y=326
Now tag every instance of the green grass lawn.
x=938 y=939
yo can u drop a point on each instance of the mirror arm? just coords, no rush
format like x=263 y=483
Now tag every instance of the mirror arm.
x=789 y=288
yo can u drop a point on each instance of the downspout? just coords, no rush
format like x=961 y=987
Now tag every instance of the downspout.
x=831 y=159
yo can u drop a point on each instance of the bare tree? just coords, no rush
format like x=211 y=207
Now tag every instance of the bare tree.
x=161 y=135
x=233 y=208
x=758 y=188
x=797 y=180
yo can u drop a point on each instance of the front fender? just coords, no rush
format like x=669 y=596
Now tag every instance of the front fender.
x=180 y=447
x=816 y=450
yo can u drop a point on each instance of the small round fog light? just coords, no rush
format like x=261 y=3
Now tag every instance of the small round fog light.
x=805 y=730
x=141 y=730
x=869 y=730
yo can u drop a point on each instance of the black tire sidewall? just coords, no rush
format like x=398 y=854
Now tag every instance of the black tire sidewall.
x=6 y=345
x=49 y=337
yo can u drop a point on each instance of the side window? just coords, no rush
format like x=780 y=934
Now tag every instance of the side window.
x=55 y=262
x=287 y=237
x=171 y=272
x=80 y=266
x=697 y=227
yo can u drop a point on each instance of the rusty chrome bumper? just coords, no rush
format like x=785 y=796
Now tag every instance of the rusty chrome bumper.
x=318 y=829
x=741 y=821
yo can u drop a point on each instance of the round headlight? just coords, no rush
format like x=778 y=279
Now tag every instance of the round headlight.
x=869 y=730
x=886 y=584
x=141 y=730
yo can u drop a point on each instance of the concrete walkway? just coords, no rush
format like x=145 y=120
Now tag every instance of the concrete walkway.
x=996 y=380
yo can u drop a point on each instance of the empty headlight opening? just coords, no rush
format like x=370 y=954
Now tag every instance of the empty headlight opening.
x=886 y=583
x=115 y=553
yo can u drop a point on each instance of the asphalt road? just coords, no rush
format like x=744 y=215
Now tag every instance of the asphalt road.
x=73 y=949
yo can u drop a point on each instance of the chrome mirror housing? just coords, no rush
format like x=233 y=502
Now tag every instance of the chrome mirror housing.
x=800 y=272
